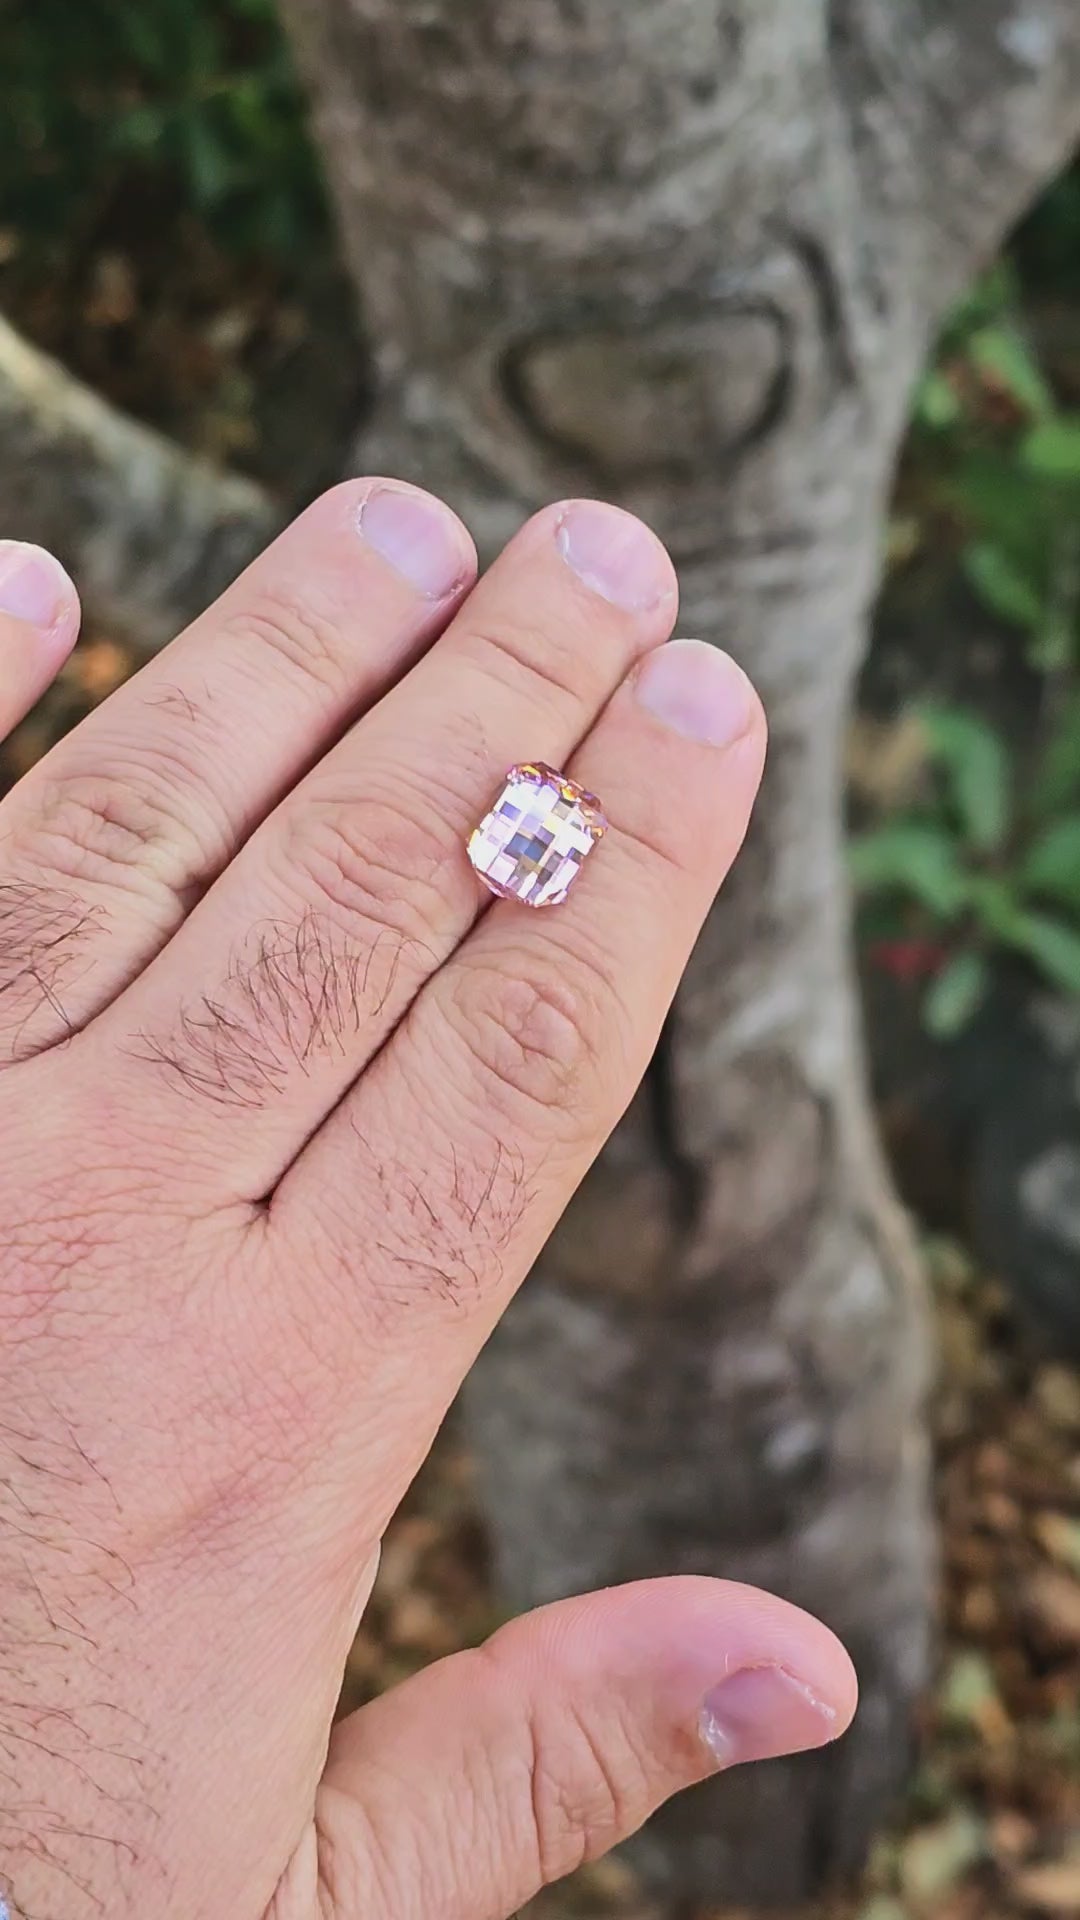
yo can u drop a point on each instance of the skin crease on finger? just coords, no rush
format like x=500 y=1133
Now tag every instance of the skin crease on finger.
x=356 y=882
x=128 y=819
x=210 y=1407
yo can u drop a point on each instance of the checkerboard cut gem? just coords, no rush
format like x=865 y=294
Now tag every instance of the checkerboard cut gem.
x=532 y=844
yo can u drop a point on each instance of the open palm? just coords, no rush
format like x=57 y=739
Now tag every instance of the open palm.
x=285 y=1117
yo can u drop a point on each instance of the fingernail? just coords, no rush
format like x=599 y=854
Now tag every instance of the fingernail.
x=699 y=691
x=763 y=1712
x=616 y=555
x=419 y=537
x=33 y=586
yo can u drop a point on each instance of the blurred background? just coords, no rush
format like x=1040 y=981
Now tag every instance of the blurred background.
x=165 y=234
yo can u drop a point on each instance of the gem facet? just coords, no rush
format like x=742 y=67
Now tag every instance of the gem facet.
x=531 y=846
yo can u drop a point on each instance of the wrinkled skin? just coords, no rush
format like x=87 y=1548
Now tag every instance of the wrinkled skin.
x=287 y=1110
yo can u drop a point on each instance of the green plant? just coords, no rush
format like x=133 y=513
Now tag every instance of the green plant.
x=987 y=861
x=1006 y=466
x=194 y=104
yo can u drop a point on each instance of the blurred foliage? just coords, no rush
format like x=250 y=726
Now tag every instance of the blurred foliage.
x=984 y=858
x=196 y=104
x=164 y=231
x=988 y=860
x=1008 y=459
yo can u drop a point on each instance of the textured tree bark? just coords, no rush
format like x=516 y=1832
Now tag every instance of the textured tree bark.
x=151 y=533
x=689 y=255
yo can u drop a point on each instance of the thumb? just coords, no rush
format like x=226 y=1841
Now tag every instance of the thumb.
x=39 y=623
x=496 y=1772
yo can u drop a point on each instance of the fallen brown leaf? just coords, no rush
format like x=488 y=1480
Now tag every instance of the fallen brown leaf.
x=1052 y=1602
x=1053 y=1888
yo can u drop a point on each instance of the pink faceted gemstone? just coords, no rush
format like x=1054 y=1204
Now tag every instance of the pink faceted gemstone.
x=531 y=846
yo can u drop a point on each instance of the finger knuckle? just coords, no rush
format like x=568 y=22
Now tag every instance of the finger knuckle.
x=371 y=867
x=112 y=829
x=588 y=1789
x=556 y=671
x=531 y=1034
x=299 y=629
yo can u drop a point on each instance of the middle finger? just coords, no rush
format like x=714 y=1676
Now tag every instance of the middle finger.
x=308 y=951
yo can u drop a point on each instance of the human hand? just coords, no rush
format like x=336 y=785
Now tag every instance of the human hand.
x=284 y=1121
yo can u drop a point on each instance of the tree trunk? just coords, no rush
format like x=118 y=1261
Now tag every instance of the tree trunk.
x=687 y=255
x=151 y=533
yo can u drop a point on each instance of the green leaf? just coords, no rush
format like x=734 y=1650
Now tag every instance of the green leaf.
x=1053 y=648
x=937 y=1857
x=1052 y=450
x=1002 y=585
x=210 y=165
x=139 y=129
x=995 y=904
x=975 y=761
x=1005 y=507
x=1052 y=866
x=968 y=1691
x=1051 y=945
x=937 y=403
x=956 y=995
x=141 y=38
x=1057 y=777
x=906 y=857
x=1004 y=354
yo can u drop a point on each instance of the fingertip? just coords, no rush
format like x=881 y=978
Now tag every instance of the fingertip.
x=611 y=560
x=418 y=535
x=37 y=592
x=763 y=1631
x=700 y=692
x=751 y=1675
x=566 y=1729
x=39 y=625
x=417 y=543
x=616 y=554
